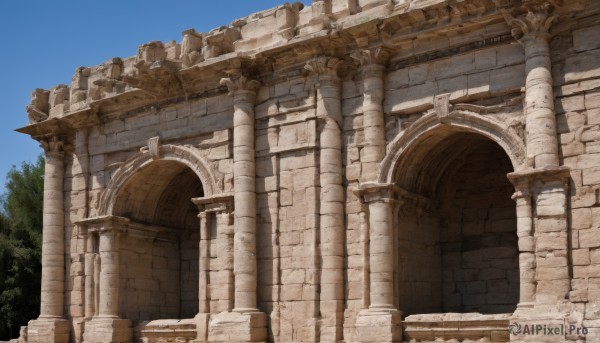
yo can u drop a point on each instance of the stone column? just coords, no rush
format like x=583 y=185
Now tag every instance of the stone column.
x=382 y=321
x=53 y=238
x=544 y=254
x=109 y=272
x=532 y=31
x=203 y=315
x=106 y=325
x=542 y=227
x=372 y=66
x=243 y=91
x=527 y=284
x=245 y=323
x=332 y=195
x=50 y=326
x=90 y=281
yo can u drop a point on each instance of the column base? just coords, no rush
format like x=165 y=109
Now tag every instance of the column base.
x=48 y=330
x=379 y=325
x=236 y=327
x=534 y=325
x=108 y=330
x=201 y=320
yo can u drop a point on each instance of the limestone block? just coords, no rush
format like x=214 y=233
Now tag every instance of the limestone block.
x=582 y=41
x=551 y=241
x=410 y=100
x=478 y=84
x=582 y=66
x=238 y=327
x=570 y=104
x=589 y=238
x=593 y=116
x=581 y=257
x=102 y=330
x=48 y=330
x=551 y=204
x=379 y=326
x=506 y=80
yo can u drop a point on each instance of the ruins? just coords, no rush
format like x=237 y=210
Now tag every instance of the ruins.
x=344 y=171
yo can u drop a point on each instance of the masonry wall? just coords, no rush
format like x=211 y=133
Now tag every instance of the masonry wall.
x=576 y=69
x=419 y=262
x=479 y=235
x=288 y=190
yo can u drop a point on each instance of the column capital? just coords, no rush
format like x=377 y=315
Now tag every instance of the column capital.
x=325 y=67
x=105 y=224
x=53 y=147
x=524 y=180
x=216 y=203
x=240 y=83
x=536 y=22
x=372 y=58
x=370 y=192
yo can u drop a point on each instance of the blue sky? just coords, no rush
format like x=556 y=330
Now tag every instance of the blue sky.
x=43 y=42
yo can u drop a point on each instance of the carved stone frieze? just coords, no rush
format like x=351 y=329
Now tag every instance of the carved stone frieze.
x=154 y=73
x=53 y=146
x=191 y=48
x=38 y=109
x=240 y=82
x=111 y=82
x=326 y=67
x=220 y=41
x=377 y=56
x=537 y=20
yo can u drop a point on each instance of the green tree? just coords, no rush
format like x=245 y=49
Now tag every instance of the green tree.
x=20 y=247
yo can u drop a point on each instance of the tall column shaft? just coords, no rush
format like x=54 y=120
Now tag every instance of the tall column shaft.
x=244 y=184
x=527 y=263
x=53 y=237
x=373 y=118
x=332 y=195
x=381 y=257
x=109 y=274
x=542 y=144
x=90 y=257
x=203 y=305
x=532 y=31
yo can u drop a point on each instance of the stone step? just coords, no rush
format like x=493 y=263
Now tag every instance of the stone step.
x=457 y=327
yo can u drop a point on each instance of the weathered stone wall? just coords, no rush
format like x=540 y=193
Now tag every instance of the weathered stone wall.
x=578 y=105
x=420 y=262
x=421 y=131
x=479 y=241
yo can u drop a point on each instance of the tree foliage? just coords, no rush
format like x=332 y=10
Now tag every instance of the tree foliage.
x=20 y=247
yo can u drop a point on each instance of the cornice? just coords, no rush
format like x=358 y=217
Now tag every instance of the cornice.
x=136 y=82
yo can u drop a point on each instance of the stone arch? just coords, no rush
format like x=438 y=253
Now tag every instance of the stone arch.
x=187 y=156
x=458 y=120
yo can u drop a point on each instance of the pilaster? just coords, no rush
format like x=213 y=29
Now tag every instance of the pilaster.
x=542 y=227
x=381 y=322
x=332 y=195
x=106 y=324
x=222 y=207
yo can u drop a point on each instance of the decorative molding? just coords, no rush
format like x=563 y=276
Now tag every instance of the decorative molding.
x=153 y=148
x=240 y=83
x=536 y=22
x=53 y=146
x=442 y=107
x=325 y=66
x=378 y=56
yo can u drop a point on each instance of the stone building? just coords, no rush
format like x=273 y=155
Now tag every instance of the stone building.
x=348 y=171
